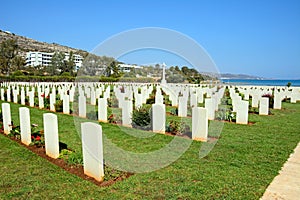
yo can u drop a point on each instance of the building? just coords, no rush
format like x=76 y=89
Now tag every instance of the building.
x=127 y=67
x=44 y=59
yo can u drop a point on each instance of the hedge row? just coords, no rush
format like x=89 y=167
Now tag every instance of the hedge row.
x=72 y=79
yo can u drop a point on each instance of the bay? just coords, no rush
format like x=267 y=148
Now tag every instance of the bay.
x=269 y=82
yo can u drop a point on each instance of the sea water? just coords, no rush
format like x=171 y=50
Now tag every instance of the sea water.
x=261 y=82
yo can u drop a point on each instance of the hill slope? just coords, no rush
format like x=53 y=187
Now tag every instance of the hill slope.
x=27 y=44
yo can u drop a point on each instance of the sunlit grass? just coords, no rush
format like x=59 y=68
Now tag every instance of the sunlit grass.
x=242 y=164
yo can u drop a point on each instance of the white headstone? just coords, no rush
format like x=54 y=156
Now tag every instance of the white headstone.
x=6 y=115
x=264 y=106
x=31 y=99
x=277 y=101
x=200 y=97
x=199 y=124
x=193 y=100
x=138 y=100
x=25 y=125
x=66 y=104
x=209 y=105
x=255 y=100
x=158 y=118
x=41 y=101
x=92 y=150
x=102 y=109
x=82 y=106
x=15 y=96
x=126 y=113
x=22 y=96
x=52 y=102
x=159 y=98
x=51 y=135
x=182 y=106
x=242 y=112
x=2 y=94
x=8 y=94
x=93 y=97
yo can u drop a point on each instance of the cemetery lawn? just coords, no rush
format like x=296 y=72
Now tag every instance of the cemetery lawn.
x=241 y=166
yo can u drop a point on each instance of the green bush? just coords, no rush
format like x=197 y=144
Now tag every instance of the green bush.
x=113 y=102
x=18 y=73
x=174 y=111
x=93 y=115
x=177 y=127
x=59 y=106
x=141 y=118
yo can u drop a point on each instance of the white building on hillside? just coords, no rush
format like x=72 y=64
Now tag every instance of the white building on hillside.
x=127 y=67
x=44 y=59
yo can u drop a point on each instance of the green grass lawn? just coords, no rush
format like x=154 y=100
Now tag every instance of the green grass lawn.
x=241 y=165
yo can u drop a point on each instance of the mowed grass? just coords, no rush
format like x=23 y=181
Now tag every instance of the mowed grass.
x=241 y=165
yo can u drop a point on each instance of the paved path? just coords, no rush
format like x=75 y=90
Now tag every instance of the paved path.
x=286 y=185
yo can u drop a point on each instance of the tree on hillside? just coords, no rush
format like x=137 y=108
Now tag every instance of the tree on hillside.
x=69 y=64
x=95 y=65
x=17 y=63
x=9 y=58
x=112 y=70
x=57 y=63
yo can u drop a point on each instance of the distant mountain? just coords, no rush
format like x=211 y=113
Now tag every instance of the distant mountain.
x=240 y=76
x=26 y=44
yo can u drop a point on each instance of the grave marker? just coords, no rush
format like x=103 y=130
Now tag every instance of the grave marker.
x=51 y=135
x=199 y=124
x=6 y=115
x=158 y=118
x=25 y=126
x=92 y=150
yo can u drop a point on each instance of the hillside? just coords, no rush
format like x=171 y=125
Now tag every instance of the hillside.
x=239 y=76
x=26 y=44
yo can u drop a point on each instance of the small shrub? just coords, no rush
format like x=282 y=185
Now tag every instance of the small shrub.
x=37 y=136
x=177 y=127
x=47 y=102
x=15 y=132
x=141 y=118
x=114 y=119
x=113 y=102
x=225 y=114
x=59 y=106
x=93 y=115
x=174 y=111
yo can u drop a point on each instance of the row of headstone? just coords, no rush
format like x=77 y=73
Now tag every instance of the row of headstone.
x=91 y=135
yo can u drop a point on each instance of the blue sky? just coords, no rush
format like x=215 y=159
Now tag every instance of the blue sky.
x=256 y=37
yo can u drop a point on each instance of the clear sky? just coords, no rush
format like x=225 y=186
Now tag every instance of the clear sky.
x=256 y=37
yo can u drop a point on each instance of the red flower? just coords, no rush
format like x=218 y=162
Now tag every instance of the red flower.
x=38 y=138
x=32 y=137
x=43 y=95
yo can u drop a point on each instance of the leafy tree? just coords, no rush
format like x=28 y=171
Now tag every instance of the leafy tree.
x=8 y=52
x=69 y=64
x=17 y=63
x=57 y=64
x=96 y=65
x=185 y=70
x=112 y=70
